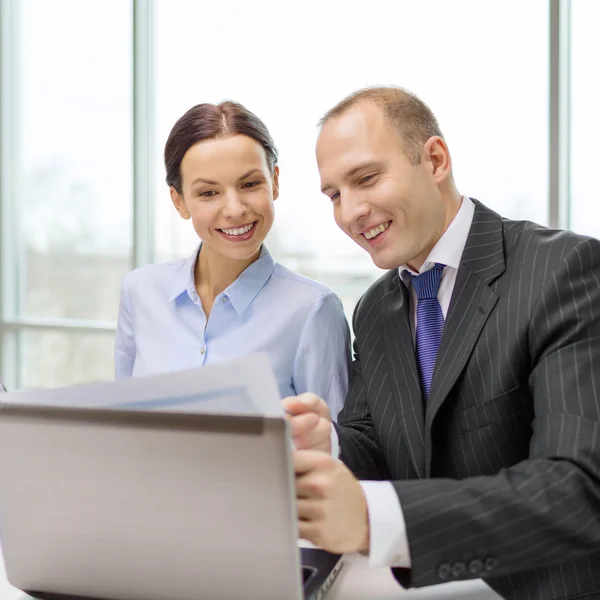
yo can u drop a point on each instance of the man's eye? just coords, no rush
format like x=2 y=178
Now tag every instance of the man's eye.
x=334 y=196
x=366 y=178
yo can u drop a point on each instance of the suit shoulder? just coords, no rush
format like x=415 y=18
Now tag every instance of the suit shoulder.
x=537 y=241
x=376 y=291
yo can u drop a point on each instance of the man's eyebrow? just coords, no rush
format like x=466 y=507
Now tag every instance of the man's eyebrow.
x=351 y=172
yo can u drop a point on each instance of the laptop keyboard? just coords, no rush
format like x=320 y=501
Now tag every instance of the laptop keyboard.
x=307 y=574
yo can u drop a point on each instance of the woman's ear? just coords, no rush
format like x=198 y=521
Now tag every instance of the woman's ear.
x=275 y=182
x=178 y=203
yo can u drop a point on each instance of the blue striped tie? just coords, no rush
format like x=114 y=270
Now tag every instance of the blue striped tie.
x=430 y=323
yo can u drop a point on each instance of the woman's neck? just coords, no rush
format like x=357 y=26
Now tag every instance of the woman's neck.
x=214 y=273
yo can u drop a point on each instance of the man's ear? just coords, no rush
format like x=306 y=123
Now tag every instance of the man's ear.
x=276 y=183
x=178 y=203
x=436 y=151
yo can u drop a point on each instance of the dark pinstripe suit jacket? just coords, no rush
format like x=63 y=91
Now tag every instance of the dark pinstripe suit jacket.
x=500 y=478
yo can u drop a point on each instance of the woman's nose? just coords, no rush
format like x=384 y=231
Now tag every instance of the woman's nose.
x=234 y=207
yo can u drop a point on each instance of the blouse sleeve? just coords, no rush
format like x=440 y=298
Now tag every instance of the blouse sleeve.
x=323 y=359
x=124 y=339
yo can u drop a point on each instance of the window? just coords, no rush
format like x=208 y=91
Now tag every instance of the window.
x=68 y=210
x=289 y=66
x=55 y=357
x=585 y=117
x=72 y=160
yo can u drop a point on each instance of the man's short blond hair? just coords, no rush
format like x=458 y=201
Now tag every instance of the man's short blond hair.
x=413 y=119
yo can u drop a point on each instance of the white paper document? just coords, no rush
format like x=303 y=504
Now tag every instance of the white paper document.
x=243 y=386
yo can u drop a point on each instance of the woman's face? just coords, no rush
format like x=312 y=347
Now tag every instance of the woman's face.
x=228 y=193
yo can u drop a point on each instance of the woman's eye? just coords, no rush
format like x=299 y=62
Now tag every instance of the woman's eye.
x=251 y=184
x=208 y=194
x=334 y=196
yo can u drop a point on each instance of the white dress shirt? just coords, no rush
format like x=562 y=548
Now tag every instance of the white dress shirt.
x=388 y=544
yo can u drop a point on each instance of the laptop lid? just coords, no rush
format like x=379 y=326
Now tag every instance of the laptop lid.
x=122 y=504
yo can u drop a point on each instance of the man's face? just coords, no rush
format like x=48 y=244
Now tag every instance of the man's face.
x=386 y=204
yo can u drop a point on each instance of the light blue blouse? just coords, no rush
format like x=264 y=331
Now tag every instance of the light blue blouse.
x=298 y=322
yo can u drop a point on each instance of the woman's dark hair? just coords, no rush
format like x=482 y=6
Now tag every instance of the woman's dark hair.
x=210 y=121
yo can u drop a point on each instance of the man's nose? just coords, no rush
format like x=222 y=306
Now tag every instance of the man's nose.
x=354 y=211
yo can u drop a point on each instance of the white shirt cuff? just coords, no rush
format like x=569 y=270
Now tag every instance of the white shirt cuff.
x=388 y=542
x=335 y=443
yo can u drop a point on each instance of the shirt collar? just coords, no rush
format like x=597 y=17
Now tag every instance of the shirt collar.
x=184 y=277
x=241 y=292
x=245 y=288
x=449 y=248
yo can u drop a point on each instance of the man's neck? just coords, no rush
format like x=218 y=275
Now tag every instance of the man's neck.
x=451 y=201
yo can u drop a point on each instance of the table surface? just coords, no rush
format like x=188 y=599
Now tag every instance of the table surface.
x=356 y=581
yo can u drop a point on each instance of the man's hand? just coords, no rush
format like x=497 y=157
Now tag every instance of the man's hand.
x=332 y=508
x=310 y=422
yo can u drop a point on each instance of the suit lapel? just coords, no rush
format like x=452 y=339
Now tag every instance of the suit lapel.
x=472 y=303
x=399 y=352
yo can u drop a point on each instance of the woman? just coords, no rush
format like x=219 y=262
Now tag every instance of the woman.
x=230 y=298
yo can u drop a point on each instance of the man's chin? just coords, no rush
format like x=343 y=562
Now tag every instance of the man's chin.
x=381 y=259
x=384 y=261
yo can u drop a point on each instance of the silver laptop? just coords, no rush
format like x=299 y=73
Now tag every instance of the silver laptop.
x=126 y=504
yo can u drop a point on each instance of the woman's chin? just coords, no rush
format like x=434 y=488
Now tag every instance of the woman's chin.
x=239 y=251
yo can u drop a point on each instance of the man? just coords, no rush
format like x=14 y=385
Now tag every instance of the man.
x=473 y=414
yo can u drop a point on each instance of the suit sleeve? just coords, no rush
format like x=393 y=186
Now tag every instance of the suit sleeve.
x=359 y=446
x=545 y=509
x=124 y=338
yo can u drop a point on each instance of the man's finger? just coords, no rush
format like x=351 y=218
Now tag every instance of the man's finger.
x=307 y=530
x=310 y=510
x=305 y=403
x=306 y=461
x=316 y=484
x=299 y=405
x=302 y=425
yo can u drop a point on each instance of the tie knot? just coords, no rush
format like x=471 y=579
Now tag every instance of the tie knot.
x=427 y=284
